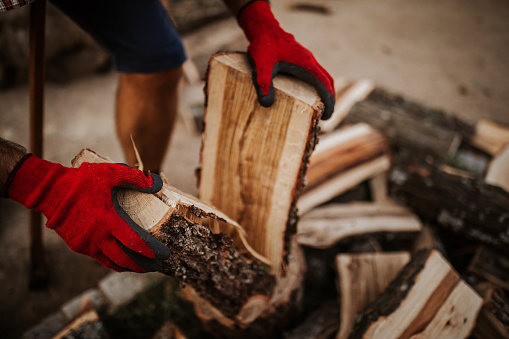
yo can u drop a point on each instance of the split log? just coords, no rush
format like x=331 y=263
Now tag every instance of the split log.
x=361 y=279
x=327 y=225
x=341 y=161
x=498 y=170
x=490 y=136
x=208 y=250
x=426 y=300
x=254 y=158
x=466 y=206
x=492 y=266
x=86 y=325
x=253 y=163
x=493 y=320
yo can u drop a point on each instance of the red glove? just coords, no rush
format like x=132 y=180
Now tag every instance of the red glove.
x=81 y=206
x=272 y=50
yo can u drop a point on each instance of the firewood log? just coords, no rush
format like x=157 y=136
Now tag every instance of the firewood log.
x=427 y=299
x=490 y=136
x=327 y=225
x=86 y=325
x=466 y=206
x=493 y=320
x=411 y=125
x=208 y=250
x=491 y=265
x=253 y=163
x=342 y=160
x=361 y=279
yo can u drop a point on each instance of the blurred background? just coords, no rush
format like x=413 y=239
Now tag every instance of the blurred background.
x=452 y=55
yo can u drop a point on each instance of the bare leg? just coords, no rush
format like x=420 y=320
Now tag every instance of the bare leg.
x=146 y=108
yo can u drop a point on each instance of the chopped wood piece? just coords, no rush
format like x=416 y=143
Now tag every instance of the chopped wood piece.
x=456 y=316
x=493 y=320
x=498 y=170
x=492 y=266
x=341 y=161
x=362 y=277
x=426 y=300
x=490 y=136
x=254 y=158
x=348 y=93
x=320 y=324
x=466 y=206
x=410 y=125
x=86 y=325
x=327 y=225
x=197 y=236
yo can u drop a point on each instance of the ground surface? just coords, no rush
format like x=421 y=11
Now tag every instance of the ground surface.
x=451 y=55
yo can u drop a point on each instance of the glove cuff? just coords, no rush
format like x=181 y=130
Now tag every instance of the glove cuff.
x=247 y=5
x=256 y=18
x=5 y=189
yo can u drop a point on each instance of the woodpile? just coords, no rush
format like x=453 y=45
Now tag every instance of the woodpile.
x=394 y=209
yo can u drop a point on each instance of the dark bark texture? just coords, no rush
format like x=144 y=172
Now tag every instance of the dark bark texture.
x=211 y=265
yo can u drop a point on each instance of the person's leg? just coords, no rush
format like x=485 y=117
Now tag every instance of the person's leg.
x=148 y=53
x=146 y=109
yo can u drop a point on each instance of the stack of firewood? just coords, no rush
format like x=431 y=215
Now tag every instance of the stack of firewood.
x=408 y=199
x=431 y=182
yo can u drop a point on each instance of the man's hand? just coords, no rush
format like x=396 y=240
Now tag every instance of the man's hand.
x=272 y=50
x=81 y=206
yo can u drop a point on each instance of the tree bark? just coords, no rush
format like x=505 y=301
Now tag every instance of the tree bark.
x=466 y=206
x=493 y=320
x=410 y=125
x=209 y=251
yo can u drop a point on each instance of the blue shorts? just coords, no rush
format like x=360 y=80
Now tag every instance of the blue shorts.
x=138 y=33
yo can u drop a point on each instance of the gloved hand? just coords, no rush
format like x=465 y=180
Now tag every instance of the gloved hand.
x=272 y=50
x=81 y=206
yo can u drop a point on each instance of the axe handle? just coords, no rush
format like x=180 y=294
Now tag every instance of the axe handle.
x=38 y=269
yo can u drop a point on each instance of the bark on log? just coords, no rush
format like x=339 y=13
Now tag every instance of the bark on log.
x=411 y=125
x=209 y=250
x=427 y=300
x=341 y=161
x=493 y=320
x=492 y=266
x=465 y=206
x=422 y=139
x=327 y=225
x=362 y=277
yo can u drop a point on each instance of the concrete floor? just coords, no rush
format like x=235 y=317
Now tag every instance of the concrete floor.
x=451 y=55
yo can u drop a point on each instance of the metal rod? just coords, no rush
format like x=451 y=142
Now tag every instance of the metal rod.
x=39 y=274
